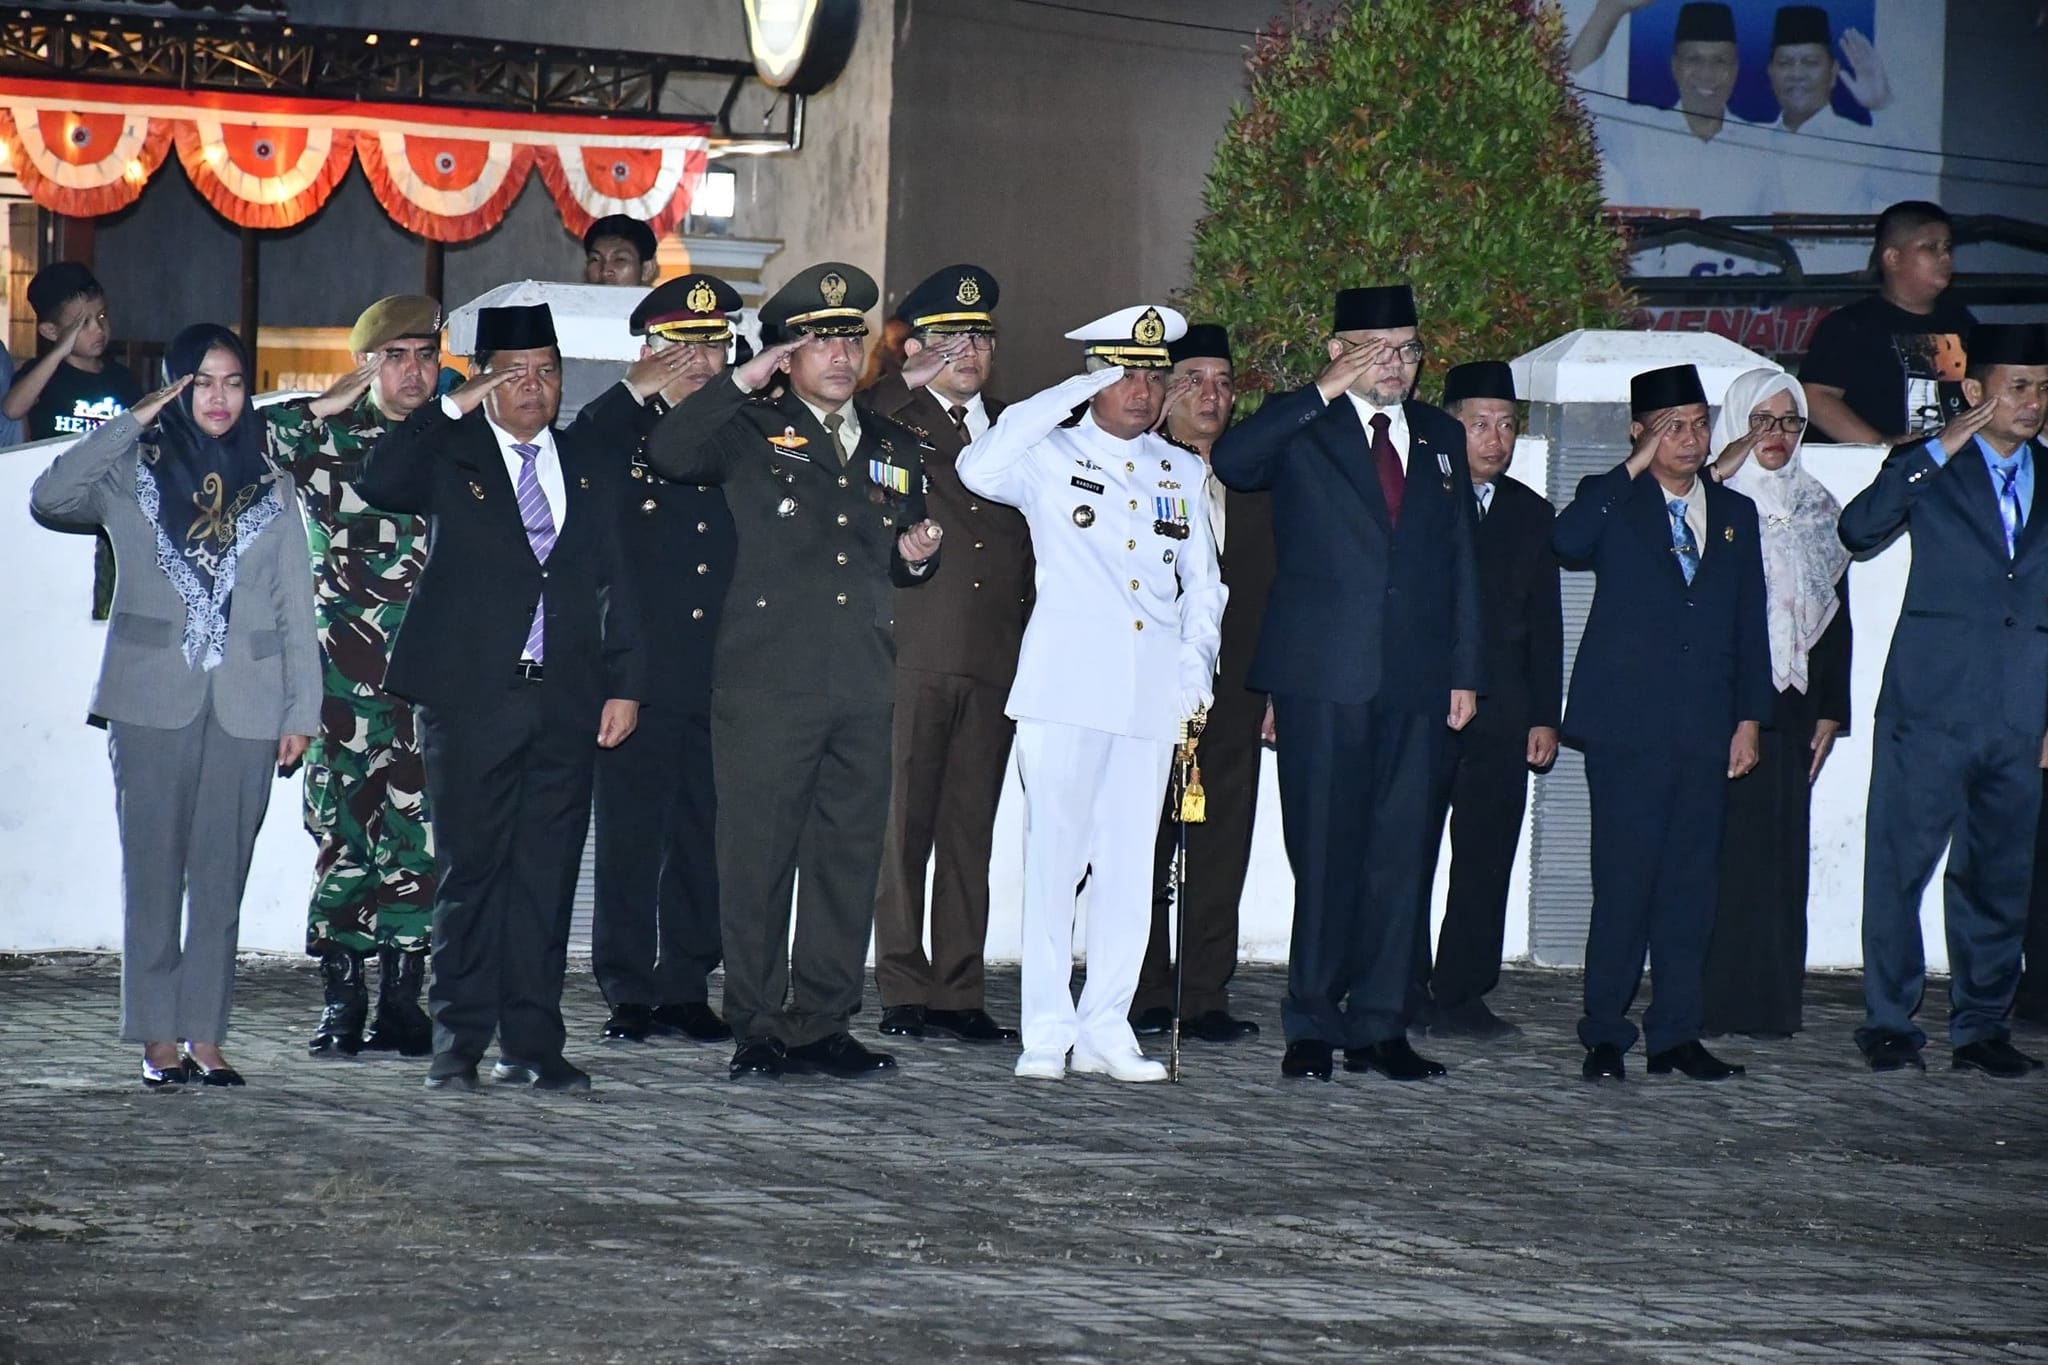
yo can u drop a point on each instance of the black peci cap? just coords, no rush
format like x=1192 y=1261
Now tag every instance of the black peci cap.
x=1372 y=309
x=1479 y=379
x=1674 y=386
x=526 y=328
x=1204 y=340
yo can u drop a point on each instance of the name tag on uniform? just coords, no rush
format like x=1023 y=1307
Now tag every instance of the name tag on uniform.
x=1080 y=482
x=895 y=478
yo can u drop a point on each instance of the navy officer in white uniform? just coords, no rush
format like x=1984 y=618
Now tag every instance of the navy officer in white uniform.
x=1120 y=649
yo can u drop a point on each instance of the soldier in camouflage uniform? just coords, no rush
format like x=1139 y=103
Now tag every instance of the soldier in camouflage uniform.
x=373 y=878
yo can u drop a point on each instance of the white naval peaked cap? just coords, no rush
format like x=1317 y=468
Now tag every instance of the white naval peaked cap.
x=1133 y=337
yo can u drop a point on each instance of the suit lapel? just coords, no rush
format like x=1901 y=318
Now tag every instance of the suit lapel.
x=482 y=465
x=1979 y=491
x=2029 y=537
x=1343 y=439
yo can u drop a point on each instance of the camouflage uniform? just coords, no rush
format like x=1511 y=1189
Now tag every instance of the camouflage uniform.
x=373 y=880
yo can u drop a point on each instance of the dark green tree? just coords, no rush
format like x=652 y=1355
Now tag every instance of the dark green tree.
x=1432 y=141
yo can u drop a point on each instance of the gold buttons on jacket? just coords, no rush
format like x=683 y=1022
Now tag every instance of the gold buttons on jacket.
x=703 y=568
x=760 y=601
x=841 y=556
x=1130 y=545
x=840 y=598
x=696 y=613
x=842 y=481
x=841 y=518
x=1134 y=504
x=979 y=546
x=1134 y=585
x=702 y=527
x=977 y=584
x=1130 y=468
x=1137 y=625
x=649 y=505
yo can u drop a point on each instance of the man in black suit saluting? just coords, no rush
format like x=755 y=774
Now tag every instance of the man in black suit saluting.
x=1484 y=783
x=518 y=649
x=1960 y=719
x=1669 y=694
x=1371 y=645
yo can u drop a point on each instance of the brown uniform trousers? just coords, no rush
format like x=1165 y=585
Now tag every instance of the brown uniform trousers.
x=957 y=639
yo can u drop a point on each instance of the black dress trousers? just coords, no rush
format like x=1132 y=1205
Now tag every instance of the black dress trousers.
x=1484 y=788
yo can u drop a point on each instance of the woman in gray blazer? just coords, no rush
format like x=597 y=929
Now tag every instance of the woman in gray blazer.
x=210 y=682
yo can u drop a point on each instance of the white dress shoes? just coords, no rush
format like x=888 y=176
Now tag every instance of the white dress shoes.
x=1126 y=1066
x=1042 y=1064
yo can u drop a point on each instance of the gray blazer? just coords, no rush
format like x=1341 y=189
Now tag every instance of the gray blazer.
x=269 y=684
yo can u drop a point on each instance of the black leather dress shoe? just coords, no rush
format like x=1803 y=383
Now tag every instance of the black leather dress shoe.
x=1893 y=1052
x=157 y=1077
x=457 y=1076
x=1153 y=1022
x=554 y=1074
x=1692 y=1059
x=903 y=1021
x=1994 y=1057
x=693 y=1019
x=1469 y=1019
x=629 y=1024
x=1394 y=1059
x=1603 y=1063
x=969 y=1026
x=1306 y=1059
x=211 y=1075
x=757 y=1059
x=840 y=1055
x=1217 y=1026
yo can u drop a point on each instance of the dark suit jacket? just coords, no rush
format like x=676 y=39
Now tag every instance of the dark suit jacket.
x=1665 y=665
x=1521 y=597
x=970 y=622
x=1360 y=611
x=473 y=607
x=1972 y=639
x=812 y=607
x=680 y=545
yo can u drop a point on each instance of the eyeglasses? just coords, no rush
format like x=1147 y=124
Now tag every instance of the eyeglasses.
x=1761 y=422
x=1409 y=353
x=974 y=341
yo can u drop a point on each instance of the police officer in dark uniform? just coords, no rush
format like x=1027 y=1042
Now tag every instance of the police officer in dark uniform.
x=654 y=931
x=827 y=498
x=956 y=656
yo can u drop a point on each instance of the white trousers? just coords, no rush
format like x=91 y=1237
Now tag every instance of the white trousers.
x=1091 y=799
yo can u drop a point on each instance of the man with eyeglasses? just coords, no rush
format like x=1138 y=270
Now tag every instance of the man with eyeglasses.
x=373 y=874
x=1371 y=646
x=1678 y=616
x=828 y=501
x=957 y=641
x=654 y=936
x=521 y=652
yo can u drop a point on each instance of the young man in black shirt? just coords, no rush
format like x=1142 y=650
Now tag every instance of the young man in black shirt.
x=1873 y=371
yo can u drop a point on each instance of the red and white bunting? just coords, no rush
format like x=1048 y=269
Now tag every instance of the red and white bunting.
x=263 y=175
x=445 y=189
x=80 y=162
x=653 y=180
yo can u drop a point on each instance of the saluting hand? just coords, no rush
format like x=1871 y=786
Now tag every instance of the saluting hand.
x=469 y=396
x=145 y=412
x=1349 y=366
x=655 y=371
x=920 y=542
x=1962 y=428
x=1647 y=443
x=1732 y=455
x=1177 y=391
x=756 y=373
x=346 y=391
x=922 y=368
x=1742 y=750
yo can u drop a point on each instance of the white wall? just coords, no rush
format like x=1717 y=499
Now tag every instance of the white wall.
x=60 y=877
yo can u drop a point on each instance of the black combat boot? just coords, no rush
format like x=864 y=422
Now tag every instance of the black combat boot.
x=401 y=1026
x=348 y=1004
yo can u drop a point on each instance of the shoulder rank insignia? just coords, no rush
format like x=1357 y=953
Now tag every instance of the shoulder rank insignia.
x=895 y=478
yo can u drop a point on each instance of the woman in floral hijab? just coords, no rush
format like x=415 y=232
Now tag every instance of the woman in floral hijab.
x=1756 y=964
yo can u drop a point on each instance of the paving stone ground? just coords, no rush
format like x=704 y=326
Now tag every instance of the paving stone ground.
x=336 y=1212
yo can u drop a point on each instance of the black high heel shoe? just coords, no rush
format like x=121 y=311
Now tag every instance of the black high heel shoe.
x=210 y=1075
x=156 y=1078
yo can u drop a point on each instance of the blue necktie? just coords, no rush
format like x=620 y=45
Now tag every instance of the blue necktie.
x=2009 y=507
x=1682 y=544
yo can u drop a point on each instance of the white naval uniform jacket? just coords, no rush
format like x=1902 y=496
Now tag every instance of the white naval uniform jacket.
x=1129 y=612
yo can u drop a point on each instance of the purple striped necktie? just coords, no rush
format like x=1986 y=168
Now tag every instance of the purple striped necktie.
x=540 y=535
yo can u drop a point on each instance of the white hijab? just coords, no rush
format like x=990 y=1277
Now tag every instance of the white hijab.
x=1803 y=556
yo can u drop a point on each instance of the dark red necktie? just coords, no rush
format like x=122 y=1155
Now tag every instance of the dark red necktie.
x=1387 y=460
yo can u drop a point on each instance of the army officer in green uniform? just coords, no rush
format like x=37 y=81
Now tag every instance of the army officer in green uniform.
x=827 y=498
